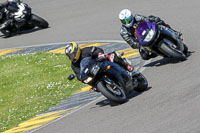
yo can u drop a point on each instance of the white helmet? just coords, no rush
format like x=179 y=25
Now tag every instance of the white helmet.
x=126 y=18
x=17 y=1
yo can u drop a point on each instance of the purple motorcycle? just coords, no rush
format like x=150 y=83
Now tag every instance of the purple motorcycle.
x=160 y=40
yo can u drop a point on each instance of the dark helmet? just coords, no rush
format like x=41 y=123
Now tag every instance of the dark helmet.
x=73 y=51
x=13 y=5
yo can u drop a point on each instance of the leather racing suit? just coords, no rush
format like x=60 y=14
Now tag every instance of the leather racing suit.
x=95 y=52
x=6 y=15
x=128 y=34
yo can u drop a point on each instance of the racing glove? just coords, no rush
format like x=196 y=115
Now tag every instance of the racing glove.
x=154 y=19
x=100 y=57
x=135 y=45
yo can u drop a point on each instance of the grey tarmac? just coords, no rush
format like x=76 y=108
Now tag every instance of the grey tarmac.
x=171 y=105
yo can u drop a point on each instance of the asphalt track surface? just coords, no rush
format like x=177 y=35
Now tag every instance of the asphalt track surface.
x=172 y=102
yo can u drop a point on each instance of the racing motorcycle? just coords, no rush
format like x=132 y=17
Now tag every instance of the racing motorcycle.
x=22 y=19
x=113 y=81
x=160 y=40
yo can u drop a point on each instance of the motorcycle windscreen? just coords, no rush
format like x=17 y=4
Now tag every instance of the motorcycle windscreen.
x=84 y=68
x=141 y=31
x=86 y=65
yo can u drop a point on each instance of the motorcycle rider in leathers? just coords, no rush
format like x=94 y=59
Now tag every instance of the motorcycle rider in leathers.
x=130 y=22
x=6 y=10
x=76 y=54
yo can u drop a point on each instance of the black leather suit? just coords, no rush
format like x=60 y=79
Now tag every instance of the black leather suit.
x=85 y=52
x=94 y=52
x=6 y=10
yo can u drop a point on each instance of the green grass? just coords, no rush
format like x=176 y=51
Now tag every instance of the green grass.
x=30 y=84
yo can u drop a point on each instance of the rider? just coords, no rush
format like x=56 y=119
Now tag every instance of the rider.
x=7 y=9
x=76 y=54
x=129 y=23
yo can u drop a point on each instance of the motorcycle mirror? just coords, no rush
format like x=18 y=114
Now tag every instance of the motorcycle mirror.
x=71 y=77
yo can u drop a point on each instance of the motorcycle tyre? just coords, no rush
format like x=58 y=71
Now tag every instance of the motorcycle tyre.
x=142 y=84
x=6 y=34
x=39 y=22
x=101 y=87
x=171 y=52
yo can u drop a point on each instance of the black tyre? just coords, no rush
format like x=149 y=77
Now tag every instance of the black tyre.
x=142 y=83
x=9 y=31
x=118 y=98
x=27 y=27
x=185 y=51
x=172 y=52
x=39 y=22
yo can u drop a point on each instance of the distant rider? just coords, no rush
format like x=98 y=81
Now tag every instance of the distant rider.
x=76 y=54
x=7 y=9
x=129 y=23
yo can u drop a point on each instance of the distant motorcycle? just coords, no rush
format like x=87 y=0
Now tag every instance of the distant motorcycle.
x=113 y=81
x=23 y=19
x=160 y=40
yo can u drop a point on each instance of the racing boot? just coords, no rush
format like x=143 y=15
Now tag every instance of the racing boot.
x=128 y=65
x=178 y=33
x=121 y=61
x=168 y=26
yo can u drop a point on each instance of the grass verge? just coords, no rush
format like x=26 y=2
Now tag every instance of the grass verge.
x=30 y=84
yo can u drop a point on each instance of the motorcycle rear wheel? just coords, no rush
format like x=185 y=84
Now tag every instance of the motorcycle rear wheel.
x=172 y=52
x=142 y=83
x=101 y=86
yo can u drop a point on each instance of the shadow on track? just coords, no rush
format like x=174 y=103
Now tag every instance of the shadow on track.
x=106 y=102
x=165 y=61
x=161 y=62
x=24 y=32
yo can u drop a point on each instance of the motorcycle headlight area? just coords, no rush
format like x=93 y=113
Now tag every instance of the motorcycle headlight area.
x=149 y=36
x=88 y=80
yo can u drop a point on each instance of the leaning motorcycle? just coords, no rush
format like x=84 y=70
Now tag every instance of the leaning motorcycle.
x=160 y=40
x=113 y=81
x=23 y=19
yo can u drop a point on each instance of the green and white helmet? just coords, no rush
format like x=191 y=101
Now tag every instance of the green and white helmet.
x=126 y=18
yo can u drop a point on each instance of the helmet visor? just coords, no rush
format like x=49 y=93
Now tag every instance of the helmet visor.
x=127 y=20
x=72 y=56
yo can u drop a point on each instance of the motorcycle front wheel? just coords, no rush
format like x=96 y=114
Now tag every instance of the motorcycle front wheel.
x=6 y=33
x=116 y=95
x=39 y=22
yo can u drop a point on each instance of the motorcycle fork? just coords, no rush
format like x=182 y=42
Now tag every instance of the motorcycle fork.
x=112 y=86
